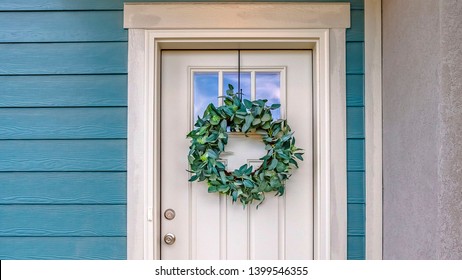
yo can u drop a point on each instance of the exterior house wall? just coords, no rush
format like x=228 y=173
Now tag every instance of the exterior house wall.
x=63 y=99
x=422 y=129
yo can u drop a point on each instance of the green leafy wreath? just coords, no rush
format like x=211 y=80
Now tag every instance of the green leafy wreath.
x=209 y=138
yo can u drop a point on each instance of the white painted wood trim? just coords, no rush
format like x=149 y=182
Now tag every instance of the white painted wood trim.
x=338 y=171
x=321 y=146
x=373 y=115
x=143 y=200
x=136 y=147
x=236 y=15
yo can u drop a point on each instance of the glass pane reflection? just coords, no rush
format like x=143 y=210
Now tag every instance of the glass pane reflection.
x=268 y=86
x=231 y=78
x=205 y=91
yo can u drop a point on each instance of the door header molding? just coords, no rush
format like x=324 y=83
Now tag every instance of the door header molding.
x=236 y=15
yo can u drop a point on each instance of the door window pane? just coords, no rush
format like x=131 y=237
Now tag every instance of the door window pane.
x=268 y=86
x=231 y=78
x=205 y=91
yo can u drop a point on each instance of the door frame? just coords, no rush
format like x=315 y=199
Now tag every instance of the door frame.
x=326 y=37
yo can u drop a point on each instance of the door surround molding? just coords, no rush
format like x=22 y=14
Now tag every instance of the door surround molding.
x=329 y=114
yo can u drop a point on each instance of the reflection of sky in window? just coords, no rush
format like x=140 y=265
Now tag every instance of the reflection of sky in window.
x=268 y=86
x=205 y=91
x=231 y=78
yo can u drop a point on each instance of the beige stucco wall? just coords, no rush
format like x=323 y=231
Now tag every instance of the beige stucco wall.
x=450 y=131
x=422 y=129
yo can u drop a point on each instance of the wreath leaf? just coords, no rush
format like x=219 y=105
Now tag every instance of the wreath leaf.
x=210 y=136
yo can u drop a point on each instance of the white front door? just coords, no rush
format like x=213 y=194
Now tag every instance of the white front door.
x=207 y=225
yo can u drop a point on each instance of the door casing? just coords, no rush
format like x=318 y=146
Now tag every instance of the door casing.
x=328 y=45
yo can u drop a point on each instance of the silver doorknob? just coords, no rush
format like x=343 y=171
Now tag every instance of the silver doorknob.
x=169 y=238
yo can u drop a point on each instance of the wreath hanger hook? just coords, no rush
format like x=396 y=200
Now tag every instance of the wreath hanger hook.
x=239 y=90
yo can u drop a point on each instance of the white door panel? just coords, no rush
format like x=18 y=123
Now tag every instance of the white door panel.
x=210 y=226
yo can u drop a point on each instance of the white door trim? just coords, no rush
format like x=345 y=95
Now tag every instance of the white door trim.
x=234 y=15
x=143 y=200
x=373 y=127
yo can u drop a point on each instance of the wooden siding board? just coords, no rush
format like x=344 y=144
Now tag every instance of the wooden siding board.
x=63 y=188
x=355 y=58
x=356 y=217
x=355 y=154
x=63 y=123
x=356 y=32
x=63 y=248
x=63 y=58
x=35 y=5
x=63 y=155
x=356 y=248
x=58 y=5
x=63 y=220
x=355 y=90
x=63 y=90
x=355 y=122
x=356 y=187
x=356 y=4
x=62 y=26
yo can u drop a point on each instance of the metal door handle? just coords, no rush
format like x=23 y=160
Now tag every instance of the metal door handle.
x=169 y=238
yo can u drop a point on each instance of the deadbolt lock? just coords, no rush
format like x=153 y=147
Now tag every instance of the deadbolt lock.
x=169 y=214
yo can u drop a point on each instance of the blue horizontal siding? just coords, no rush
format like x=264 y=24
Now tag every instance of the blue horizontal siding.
x=355 y=122
x=355 y=155
x=356 y=32
x=355 y=58
x=356 y=4
x=355 y=90
x=63 y=155
x=356 y=186
x=63 y=248
x=60 y=5
x=63 y=58
x=63 y=188
x=356 y=248
x=356 y=217
x=63 y=123
x=72 y=27
x=63 y=90
x=63 y=220
x=34 y=5
x=355 y=134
